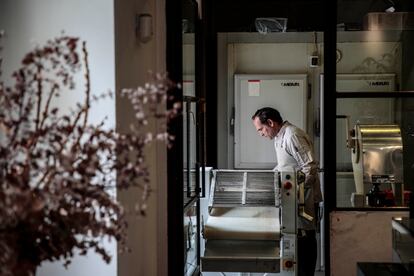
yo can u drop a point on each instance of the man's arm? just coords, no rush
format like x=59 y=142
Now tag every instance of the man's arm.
x=300 y=147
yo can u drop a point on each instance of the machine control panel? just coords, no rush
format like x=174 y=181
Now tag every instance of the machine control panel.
x=288 y=185
x=288 y=264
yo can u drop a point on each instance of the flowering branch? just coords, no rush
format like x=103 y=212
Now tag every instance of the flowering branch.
x=56 y=168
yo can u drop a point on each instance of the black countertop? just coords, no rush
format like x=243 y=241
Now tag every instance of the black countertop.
x=381 y=269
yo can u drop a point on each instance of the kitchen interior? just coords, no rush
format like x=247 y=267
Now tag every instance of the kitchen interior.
x=239 y=56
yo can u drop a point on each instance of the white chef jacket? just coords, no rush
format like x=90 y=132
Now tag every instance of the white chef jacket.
x=294 y=149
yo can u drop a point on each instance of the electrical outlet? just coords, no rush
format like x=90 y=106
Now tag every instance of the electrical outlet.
x=314 y=61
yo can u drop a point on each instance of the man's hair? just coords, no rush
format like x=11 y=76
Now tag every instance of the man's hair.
x=267 y=113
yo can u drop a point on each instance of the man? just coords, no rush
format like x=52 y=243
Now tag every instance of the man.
x=294 y=149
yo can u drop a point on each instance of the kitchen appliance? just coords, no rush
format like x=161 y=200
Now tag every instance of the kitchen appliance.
x=252 y=221
x=285 y=92
x=377 y=161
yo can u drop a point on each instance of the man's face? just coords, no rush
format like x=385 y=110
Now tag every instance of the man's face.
x=268 y=129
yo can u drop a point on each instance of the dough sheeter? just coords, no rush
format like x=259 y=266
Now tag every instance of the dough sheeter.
x=252 y=222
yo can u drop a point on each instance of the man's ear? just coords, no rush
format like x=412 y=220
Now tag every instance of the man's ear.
x=270 y=123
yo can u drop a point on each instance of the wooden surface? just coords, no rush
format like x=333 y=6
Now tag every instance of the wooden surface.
x=358 y=236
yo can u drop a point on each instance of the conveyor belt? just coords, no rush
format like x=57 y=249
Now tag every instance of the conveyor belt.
x=243 y=223
x=246 y=188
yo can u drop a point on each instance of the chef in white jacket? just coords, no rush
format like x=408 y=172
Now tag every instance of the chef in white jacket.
x=294 y=149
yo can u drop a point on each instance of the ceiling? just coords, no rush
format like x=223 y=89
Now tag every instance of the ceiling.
x=303 y=15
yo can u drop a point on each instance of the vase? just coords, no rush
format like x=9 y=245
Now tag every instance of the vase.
x=25 y=268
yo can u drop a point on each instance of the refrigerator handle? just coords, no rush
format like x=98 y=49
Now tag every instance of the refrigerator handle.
x=232 y=121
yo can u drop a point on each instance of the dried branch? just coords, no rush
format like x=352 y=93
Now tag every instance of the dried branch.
x=56 y=169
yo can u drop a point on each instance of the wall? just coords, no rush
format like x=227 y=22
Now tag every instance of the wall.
x=28 y=23
x=147 y=236
x=109 y=29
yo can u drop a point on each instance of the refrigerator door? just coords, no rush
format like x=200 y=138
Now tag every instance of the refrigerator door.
x=286 y=93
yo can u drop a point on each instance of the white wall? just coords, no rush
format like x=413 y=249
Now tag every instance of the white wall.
x=28 y=23
x=147 y=236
